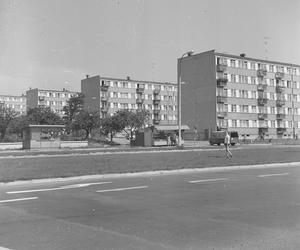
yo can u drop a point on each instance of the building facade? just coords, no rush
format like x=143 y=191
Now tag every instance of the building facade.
x=108 y=95
x=258 y=98
x=18 y=103
x=55 y=99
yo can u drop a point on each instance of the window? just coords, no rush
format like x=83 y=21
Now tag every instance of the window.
x=252 y=65
x=271 y=68
x=253 y=109
x=253 y=80
x=234 y=123
x=272 y=110
x=288 y=84
x=233 y=107
x=232 y=63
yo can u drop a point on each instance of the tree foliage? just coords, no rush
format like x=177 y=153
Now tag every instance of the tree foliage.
x=73 y=107
x=87 y=121
x=6 y=116
x=110 y=125
x=43 y=115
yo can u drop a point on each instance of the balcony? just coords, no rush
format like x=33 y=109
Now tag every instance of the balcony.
x=261 y=101
x=104 y=87
x=139 y=100
x=156 y=91
x=156 y=111
x=104 y=98
x=221 y=99
x=156 y=99
x=104 y=109
x=262 y=87
x=221 y=67
x=140 y=89
x=280 y=116
x=262 y=116
x=222 y=114
x=261 y=72
x=279 y=89
x=41 y=98
x=263 y=129
x=156 y=120
x=280 y=130
x=280 y=103
x=279 y=75
x=222 y=81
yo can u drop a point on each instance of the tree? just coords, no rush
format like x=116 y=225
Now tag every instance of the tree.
x=17 y=125
x=86 y=121
x=132 y=121
x=41 y=115
x=73 y=107
x=6 y=116
x=110 y=125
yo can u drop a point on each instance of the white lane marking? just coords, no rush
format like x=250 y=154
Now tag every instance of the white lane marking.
x=208 y=180
x=58 y=188
x=20 y=199
x=121 y=189
x=270 y=175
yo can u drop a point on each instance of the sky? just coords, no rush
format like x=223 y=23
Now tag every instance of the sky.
x=53 y=44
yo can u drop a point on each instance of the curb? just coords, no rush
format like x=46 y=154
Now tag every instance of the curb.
x=150 y=173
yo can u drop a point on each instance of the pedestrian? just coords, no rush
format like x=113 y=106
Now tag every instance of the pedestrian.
x=169 y=140
x=227 y=143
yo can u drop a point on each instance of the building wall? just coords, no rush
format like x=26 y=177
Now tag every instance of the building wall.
x=111 y=94
x=90 y=88
x=31 y=98
x=18 y=103
x=199 y=92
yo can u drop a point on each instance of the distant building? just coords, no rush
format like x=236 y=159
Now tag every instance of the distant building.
x=258 y=98
x=55 y=99
x=108 y=95
x=18 y=103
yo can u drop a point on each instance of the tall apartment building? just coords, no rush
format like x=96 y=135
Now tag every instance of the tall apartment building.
x=18 y=103
x=55 y=99
x=111 y=94
x=257 y=98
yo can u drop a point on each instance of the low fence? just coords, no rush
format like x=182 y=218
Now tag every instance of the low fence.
x=63 y=144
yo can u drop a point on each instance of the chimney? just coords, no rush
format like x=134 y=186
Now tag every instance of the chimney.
x=128 y=78
x=87 y=76
x=242 y=55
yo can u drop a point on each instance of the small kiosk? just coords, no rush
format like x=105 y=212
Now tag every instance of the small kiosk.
x=42 y=136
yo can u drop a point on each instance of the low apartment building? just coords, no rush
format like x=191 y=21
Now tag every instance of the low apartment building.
x=18 y=103
x=55 y=99
x=258 y=98
x=108 y=95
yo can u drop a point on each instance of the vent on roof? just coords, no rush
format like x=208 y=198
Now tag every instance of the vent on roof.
x=242 y=55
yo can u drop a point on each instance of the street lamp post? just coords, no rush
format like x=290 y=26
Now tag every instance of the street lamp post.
x=189 y=53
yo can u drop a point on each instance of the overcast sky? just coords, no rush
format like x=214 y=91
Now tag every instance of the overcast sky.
x=53 y=44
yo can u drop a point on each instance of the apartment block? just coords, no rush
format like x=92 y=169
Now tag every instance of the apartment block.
x=108 y=95
x=258 y=98
x=55 y=99
x=18 y=103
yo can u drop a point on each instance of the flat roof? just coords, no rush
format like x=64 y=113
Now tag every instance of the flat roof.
x=170 y=127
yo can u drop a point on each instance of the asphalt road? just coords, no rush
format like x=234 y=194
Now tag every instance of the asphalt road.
x=220 y=209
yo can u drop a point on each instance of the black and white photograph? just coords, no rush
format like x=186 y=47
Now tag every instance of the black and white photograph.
x=149 y=125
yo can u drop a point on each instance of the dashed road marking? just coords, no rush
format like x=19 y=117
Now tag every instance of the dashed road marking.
x=20 y=199
x=208 y=180
x=58 y=188
x=270 y=175
x=121 y=189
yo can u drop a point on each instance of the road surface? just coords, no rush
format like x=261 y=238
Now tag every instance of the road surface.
x=220 y=209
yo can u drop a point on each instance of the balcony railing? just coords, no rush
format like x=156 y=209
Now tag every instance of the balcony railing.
x=221 y=99
x=262 y=116
x=281 y=130
x=104 y=87
x=280 y=116
x=279 y=89
x=156 y=99
x=140 y=89
x=261 y=72
x=262 y=87
x=139 y=100
x=156 y=120
x=280 y=103
x=221 y=114
x=104 y=98
x=104 y=109
x=279 y=75
x=156 y=91
x=156 y=111
x=222 y=81
x=262 y=101
x=221 y=67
